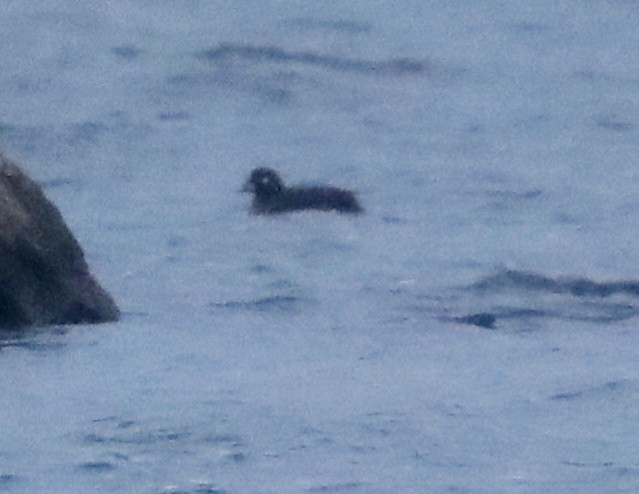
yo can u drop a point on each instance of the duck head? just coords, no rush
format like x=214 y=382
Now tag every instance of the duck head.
x=264 y=182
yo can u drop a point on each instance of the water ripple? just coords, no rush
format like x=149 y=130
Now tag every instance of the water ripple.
x=579 y=287
x=285 y=303
x=532 y=296
x=226 y=52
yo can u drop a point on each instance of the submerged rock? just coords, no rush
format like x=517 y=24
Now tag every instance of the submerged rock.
x=44 y=278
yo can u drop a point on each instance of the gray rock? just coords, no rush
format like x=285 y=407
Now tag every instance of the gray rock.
x=44 y=278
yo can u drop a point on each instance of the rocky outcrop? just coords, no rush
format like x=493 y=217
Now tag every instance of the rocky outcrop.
x=44 y=278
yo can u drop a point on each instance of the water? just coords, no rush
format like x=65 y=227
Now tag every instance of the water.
x=492 y=145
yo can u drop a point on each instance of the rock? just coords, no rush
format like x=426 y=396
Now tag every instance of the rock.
x=44 y=278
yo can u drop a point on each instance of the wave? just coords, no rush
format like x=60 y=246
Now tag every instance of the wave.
x=275 y=302
x=604 y=391
x=272 y=54
x=578 y=287
x=340 y=26
x=532 y=296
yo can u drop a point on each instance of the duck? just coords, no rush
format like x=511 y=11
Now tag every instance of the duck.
x=271 y=196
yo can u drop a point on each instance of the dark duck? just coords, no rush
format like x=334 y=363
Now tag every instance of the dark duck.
x=271 y=196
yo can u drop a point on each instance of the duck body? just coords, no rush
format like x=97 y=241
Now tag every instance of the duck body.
x=271 y=196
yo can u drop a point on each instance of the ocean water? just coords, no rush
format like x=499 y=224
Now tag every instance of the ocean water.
x=475 y=331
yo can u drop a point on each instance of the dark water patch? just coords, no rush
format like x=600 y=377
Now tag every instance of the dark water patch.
x=581 y=464
x=573 y=299
x=510 y=195
x=343 y=487
x=271 y=93
x=393 y=220
x=176 y=241
x=55 y=140
x=272 y=89
x=201 y=488
x=489 y=320
x=174 y=116
x=97 y=466
x=624 y=471
x=31 y=138
x=261 y=269
x=339 y=25
x=587 y=75
x=474 y=128
x=115 y=439
x=602 y=314
x=120 y=424
x=606 y=467
x=579 y=287
x=93 y=438
x=5 y=129
x=527 y=27
x=533 y=122
x=603 y=391
x=381 y=424
x=206 y=489
x=85 y=132
x=32 y=341
x=126 y=52
x=124 y=315
x=136 y=437
x=75 y=134
x=236 y=457
x=229 y=52
x=186 y=80
x=56 y=183
x=7 y=479
x=285 y=303
x=228 y=439
x=169 y=435
x=482 y=319
x=614 y=124
x=567 y=396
